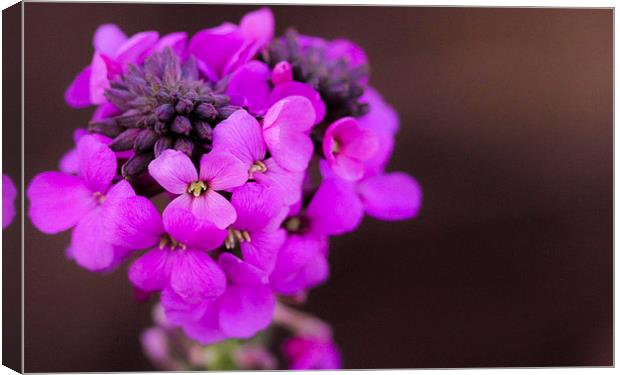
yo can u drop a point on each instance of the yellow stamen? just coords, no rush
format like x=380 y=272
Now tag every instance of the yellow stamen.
x=258 y=166
x=196 y=188
x=236 y=236
x=336 y=147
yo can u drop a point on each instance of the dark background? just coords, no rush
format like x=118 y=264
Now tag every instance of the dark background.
x=506 y=121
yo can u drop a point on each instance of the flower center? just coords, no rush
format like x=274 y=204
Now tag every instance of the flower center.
x=196 y=188
x=336 y=147
x=100 y=198
x=236 y=236
x=259 y=167
x=297 y=224
x=170 y=243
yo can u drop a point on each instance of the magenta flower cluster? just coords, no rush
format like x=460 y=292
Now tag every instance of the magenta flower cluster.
x=257 y=150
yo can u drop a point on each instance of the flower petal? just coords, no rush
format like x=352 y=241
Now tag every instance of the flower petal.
x=216 y=46
x=335 y=208
x=240 y=272
x=298 y=253
x=97 y=163
x=151 y=271
x=9 y=193
x=288 y=89
x=58 y=201
x=184 y=227
x=262 y=250
x=196 y=277
x=90 y=247
x=136 y=48
x=206 y=330
x=286 y=182
x=108 y=39
x=78 y=94
x=241 y=135
x=249 y=86
x=258 y=25
x=222 y=171
x=175 y=41
x=174 y=171
x=246 y=310
x=134 y=223
x=392 y=196
x=285 y=128
x=256 y=206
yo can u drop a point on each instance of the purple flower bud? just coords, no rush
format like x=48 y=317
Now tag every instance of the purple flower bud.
x=165 y=112
x=181 y=125
x=125 y=140
x=107 y=127
x=145 y=140
x=129 y=119
x=184 y=145
x=282 y=72
x=227 y=110
x=206 y=111
x=162 y=144
x=161 y=128
x=184 y=106
x=203 y=130
x=136 y=165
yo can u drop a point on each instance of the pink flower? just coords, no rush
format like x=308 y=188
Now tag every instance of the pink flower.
x=113 y=53
x=241 y=136
x=246 y=307
x=257 y=229
x=223 y=49
x=180 y=262
x=59 y=201
x=286 y=130
x=198 y=192
x=309 y=353
x=347 y=146
x=9 y=193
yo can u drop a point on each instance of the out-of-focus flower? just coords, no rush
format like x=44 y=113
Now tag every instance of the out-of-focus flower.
x=59 y=201
x=9 y=193
x=198 y=192
x=245 y=308
x=338 y=70
x=222 y=49
x=308 y=353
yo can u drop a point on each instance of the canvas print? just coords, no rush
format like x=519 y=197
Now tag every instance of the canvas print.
x=227 y=187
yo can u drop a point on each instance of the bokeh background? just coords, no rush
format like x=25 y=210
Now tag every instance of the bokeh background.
x=506 y=121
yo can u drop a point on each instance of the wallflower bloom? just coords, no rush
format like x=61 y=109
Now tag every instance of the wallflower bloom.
x=179 y=263
x=241 y=135
x=113 y=53
x=222 y=49
x=302 y=260
x=347 y=146
x=257 y=229
x=308 y=353
x=9 y=193
x=59 y=201
x=246 y=307
x=286 y=130
x=198 y=192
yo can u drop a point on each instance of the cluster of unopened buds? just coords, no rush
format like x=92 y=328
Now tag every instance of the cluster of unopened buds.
x=230 y=157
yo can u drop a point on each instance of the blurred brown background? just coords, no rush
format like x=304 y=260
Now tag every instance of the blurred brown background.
x=506 y=121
